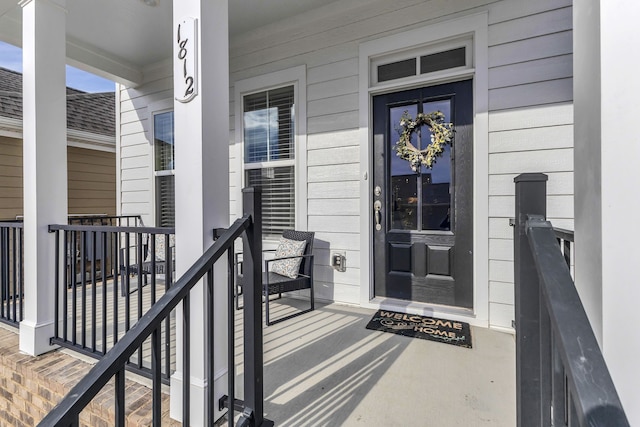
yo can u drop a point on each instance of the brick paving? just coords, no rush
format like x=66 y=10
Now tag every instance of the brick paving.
x=31 y=386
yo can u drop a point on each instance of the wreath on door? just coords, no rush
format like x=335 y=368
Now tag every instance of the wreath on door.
x=441 y=136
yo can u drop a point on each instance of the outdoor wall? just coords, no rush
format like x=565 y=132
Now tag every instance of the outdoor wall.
x=10 y=177
x=135 y=143
x=91 y=180
x=530 y=120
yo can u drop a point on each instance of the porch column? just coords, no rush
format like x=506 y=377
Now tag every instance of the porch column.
x=201 y=113
x=45 y=162
x=607 y=155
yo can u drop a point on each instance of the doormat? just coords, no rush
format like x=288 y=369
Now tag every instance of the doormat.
x=426 y=328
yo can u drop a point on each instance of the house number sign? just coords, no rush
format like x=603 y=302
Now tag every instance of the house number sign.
x=186 y=60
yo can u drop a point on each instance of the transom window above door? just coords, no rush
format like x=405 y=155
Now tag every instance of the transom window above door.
x=433 y=59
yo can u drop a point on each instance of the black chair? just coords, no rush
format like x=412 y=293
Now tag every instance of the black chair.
x=274 y=283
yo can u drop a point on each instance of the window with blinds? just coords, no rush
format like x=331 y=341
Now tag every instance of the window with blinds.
x=269 y=152
x=164 y=164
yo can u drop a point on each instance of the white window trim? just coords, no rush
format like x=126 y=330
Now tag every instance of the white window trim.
x=416 y=53
x=476 y=28
x=155 y=108
x=296 y=76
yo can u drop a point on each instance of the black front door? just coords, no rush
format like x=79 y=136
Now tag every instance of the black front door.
x=423 y=220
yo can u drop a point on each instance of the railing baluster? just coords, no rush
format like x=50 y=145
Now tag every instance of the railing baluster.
x=83 y=282
x=210 y=344
x=65 y=291
x=4 y=263
x=231 y=369
x=167 y=327
x=141 y=275
x=152 y=249
x=116 y=290
x=156 y=375
x=4 y=272
x=104 y=291
x=21 y=281
x=56 y=298
x=127 y=280
x=74 y=291
x=186 y=352
x=94 y=289
x=120 y=409
x=14 y=276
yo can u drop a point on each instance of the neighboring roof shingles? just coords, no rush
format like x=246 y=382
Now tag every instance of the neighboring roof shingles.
x=88 y=112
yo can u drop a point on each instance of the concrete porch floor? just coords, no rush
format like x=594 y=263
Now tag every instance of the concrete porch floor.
x=325 y=368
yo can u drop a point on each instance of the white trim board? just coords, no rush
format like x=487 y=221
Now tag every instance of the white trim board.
x=476 y=27
x=296 y=76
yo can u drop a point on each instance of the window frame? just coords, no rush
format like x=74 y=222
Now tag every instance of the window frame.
x=472 y=27
x=295 y=77
x=416 y=53
x=160 y=107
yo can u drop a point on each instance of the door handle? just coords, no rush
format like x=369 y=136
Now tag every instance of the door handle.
x=377 y=207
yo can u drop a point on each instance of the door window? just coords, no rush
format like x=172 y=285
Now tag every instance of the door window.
x=420 y=201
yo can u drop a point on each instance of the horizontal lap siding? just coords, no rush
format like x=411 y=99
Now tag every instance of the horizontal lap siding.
x=328 y=46
x=91 y=180
x=136 y=149
x=530 y=128
x=10 y=177
x=530 y=120
x=530 y=96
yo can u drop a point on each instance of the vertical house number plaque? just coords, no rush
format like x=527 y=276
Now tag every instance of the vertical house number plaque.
x=186 y=60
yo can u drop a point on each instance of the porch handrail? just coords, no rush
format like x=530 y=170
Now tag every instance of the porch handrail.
x=67 y=412
x=562 y=377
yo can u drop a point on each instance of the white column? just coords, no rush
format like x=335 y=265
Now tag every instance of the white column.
x=201 y=185
x=45 y=162
x=607 y=155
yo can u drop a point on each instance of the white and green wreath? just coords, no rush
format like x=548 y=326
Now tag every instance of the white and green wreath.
x=441 y=135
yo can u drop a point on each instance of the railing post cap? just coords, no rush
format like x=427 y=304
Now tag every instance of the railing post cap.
x=531 y=177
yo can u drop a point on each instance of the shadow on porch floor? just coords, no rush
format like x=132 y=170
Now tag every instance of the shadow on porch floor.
x=325 y=369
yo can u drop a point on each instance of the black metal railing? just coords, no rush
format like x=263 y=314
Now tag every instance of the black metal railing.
x=116 y=220
x=566 y=240
x=114 y=362
x=104 y=259
x=11 y=272
x=107 y=278
x=561 y=376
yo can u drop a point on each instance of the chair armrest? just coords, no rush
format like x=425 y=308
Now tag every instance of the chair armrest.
x=267 y=262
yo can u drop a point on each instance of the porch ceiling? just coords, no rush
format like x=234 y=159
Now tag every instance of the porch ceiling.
x=117 y=39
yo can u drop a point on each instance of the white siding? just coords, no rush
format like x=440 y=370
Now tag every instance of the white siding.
x=531 y=129
x=530 y=119
x=136 y=149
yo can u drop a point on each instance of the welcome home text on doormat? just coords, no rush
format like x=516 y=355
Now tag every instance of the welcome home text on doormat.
x=427 y=328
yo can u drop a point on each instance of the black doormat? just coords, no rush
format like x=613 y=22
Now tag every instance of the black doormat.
x=427 y=328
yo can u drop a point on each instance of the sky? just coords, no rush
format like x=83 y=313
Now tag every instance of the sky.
x=11 y=58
